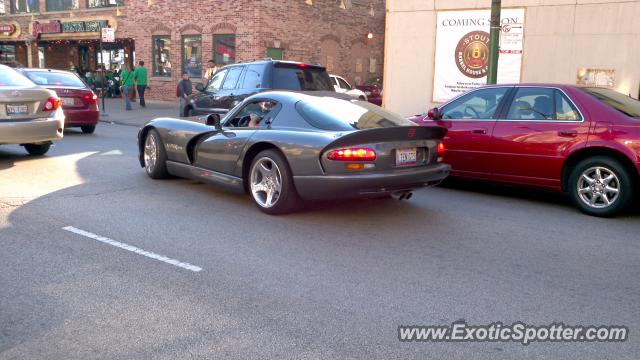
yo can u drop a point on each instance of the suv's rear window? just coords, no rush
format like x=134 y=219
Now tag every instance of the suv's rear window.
x=625 y=104
x=341 y=115
x=297 y=78
x=10 y=77
x=45 y=78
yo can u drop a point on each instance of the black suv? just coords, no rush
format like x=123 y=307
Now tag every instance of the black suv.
x=233 y=83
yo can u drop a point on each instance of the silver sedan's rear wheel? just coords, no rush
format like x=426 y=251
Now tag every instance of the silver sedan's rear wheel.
x=271 y=184
x=600 y=186
x=155 y=157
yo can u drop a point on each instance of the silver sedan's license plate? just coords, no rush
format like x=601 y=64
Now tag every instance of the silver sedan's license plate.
x=68 y=101
x=18 y=109
x=406 y=157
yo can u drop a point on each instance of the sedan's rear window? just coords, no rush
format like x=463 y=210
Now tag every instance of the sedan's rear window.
x=625 y=104
x=10 y=77
x=301 y=78
x=46 y=78
x=342 y=115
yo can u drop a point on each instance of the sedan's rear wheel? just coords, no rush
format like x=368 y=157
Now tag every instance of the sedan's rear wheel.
x=600 y=186
x=271 y=183
x=37 y=149
x=155 y=157
x=89 y=129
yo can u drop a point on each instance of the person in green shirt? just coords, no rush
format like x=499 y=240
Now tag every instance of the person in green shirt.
x=140 y=77
x=126 y=76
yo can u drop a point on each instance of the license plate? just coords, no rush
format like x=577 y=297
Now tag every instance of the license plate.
x=17 y=109
x=406 y=157
x=68 y=101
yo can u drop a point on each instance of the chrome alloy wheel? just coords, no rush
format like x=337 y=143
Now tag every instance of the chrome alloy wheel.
x=150 y=153
x=598 y=187
x=266 y=182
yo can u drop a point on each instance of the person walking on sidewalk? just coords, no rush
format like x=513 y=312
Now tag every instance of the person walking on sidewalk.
x=140 y=77
x=126 y=76
x=183 y=91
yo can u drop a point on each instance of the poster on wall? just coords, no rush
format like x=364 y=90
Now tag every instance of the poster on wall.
x=596 y=77
x=462 y=50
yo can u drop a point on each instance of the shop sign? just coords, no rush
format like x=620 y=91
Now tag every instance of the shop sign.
x=9 y=30
x=462 y=50
x=58 y=27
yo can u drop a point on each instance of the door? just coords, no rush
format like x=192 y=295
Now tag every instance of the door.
x=229 y=94
x=221 y=151
x=470 y=120
x=205 y=103
x=534 y=135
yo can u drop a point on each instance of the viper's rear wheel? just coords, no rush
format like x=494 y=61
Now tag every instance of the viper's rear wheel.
x=271 y=183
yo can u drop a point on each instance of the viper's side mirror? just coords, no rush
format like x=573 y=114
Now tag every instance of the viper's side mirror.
x=200 y=87
x=214 y=120
x=434 y=114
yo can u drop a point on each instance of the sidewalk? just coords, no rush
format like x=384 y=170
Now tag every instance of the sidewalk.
x=115 y=112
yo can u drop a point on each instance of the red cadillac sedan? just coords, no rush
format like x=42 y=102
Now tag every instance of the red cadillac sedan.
x=79 y=102
x=581 y=140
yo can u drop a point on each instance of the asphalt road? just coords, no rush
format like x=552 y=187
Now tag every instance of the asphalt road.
x=331 y=282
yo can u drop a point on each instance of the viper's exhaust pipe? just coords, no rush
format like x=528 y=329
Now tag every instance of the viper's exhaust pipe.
x=402 y=195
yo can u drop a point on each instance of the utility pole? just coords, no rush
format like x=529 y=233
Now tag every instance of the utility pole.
x=494 y=38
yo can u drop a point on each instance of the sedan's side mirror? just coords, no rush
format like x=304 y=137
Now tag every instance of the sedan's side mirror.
x=200 y=87
x=434 y=114
x=214 y=120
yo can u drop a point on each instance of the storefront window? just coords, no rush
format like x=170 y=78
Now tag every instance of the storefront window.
x=24 y=6
x=61 y=5
x=192 y=55
x=275 y=53
x=103 y=3
x=224 y=48
x=161 y=55
x=7 y=54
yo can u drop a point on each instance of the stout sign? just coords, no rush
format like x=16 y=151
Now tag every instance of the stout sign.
x=462 y=50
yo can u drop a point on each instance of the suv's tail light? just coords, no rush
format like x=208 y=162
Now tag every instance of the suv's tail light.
x=90 y=98
x=352 y=154
x=52 y=104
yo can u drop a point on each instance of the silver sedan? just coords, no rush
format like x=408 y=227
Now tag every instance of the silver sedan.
x=29 y=115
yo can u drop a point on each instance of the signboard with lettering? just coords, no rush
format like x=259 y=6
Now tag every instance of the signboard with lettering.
x=9 y=30
x=462 y=50
x=108 y=35
x=67 y=27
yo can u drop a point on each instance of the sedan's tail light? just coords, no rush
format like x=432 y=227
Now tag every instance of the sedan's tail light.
x=441 y=149
x=52 y=104
x=352 y=154
x=90 y=98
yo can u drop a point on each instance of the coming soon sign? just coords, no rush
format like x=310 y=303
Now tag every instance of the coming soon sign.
x=462 y=50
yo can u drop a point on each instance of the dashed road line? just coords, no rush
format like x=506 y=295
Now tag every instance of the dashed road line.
x=133 y=249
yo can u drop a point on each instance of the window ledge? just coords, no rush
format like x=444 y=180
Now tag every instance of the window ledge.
x=161 y=78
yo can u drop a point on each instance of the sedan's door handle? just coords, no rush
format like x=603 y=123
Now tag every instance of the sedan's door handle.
x=479 y=131
x=568 y=133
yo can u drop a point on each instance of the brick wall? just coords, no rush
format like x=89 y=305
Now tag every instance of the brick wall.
x=321 y=33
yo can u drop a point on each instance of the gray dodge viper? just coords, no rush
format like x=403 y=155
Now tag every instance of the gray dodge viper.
x=286 y=147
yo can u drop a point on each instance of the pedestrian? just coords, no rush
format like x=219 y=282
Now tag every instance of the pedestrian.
x=211 y=69
x=126 y=76
x=183 y=91
x=140 y=77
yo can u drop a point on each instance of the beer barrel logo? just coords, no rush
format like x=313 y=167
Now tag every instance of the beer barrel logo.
x=472 y=54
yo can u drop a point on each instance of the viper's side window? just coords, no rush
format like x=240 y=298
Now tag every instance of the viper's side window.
x=254 y=114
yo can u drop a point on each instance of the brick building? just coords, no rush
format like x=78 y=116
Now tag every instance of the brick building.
x=172 y=36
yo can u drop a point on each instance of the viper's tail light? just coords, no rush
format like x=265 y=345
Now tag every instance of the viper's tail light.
x=52 y=104
x=352 y=154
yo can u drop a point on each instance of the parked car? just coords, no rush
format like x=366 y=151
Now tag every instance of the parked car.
x=285 y=146
x=79 y=102
x=233 y=83
x=582 y=140
x=29 y=115
x=373 y=89
x=342 y=86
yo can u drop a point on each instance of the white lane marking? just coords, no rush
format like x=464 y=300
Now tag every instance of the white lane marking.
x=133 y=249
